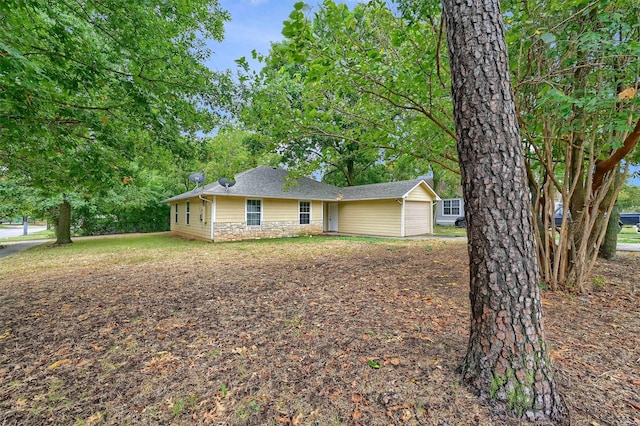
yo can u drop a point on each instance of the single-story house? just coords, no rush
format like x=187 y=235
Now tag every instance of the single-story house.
x=449 y=209
x=263 y=204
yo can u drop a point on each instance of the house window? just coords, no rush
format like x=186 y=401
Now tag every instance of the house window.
x=254 y=212
x=451 y=207
x=188 y=211
x=305 y=212
x=176 y=212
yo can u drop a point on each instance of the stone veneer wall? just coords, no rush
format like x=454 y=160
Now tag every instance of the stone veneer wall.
x=235 y=231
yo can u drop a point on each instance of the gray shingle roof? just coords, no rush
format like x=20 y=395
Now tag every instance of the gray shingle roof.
x=270 y=182
x=378 y=191
x=267 y=182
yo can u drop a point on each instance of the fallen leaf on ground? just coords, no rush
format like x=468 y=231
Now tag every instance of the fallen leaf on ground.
x=59 y=363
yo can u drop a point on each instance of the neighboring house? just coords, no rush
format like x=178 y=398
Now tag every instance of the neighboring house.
x=262 y=204
x=449 y=210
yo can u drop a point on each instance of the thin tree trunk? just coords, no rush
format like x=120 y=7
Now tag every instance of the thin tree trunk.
x=507 y=360
x=610 y=243
x=351 y=173
x=63 y=230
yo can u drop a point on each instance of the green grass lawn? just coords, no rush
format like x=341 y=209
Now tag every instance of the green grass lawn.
x=629 y=235
x=452 y=231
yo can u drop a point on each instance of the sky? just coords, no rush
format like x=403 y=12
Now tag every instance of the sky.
x=634 y=172
x=254 y=25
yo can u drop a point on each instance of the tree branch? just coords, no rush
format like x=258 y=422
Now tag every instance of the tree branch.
x=605 y=166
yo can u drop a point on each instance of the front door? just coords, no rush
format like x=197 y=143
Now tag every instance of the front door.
x=333 y=217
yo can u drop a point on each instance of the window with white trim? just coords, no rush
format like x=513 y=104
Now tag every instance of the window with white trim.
x=176 y=212
x=188 y=212
x=254 y=212
x=451 y=207
x=305 y=212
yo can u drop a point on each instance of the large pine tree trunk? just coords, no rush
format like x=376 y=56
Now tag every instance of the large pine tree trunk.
x=63 y=230
x=506 y=360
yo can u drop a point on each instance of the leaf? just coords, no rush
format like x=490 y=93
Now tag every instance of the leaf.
x=628 y=93
x=59 y=363
x=548 y=37
x=288 y=31
x=373 y=364
x=357 y=414
x=295 y=421
x=5 y=334
x=94 y=418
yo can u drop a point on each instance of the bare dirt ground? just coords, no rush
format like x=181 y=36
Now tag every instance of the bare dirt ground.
x=322 y=332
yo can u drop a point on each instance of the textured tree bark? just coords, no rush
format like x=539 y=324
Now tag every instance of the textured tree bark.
x=63 y=230
x=507 y=360
x=610 y=243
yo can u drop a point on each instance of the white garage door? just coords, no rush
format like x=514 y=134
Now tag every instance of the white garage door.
x=417 y=218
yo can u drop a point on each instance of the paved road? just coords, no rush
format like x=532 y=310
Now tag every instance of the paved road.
x=7 y=231
x=628 y=247
x=7 y=249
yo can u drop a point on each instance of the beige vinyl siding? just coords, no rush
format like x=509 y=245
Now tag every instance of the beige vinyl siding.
x=230 y=209
x=279 y=210
x=316 y=211
x=417 y=218
x=419 y=194
x=196 y=228
x=377 y=217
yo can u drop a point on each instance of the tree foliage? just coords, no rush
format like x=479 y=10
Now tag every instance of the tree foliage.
x=346 y=92
x=629 y=199
x=87 y=87
x=16 y=201
x=576 y=68
x=230 y=152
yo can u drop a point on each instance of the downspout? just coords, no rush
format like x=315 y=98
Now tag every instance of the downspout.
x=402 y=231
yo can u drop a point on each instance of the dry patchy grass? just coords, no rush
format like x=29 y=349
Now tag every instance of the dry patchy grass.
x=157 y=330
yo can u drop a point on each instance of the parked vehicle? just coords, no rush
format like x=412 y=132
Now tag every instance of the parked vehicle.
x=461 y=222
x=558 y=219
x=10 y=220
x=630 y=218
